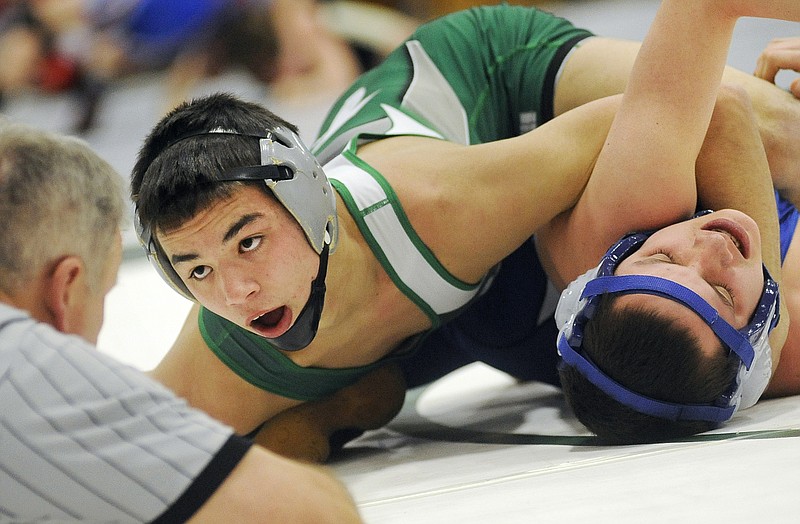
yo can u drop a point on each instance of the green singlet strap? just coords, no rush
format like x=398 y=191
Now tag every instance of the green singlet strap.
x=261 y=364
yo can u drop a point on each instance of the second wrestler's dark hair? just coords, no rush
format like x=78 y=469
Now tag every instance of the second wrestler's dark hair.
x=649 y=354
x=175 y=173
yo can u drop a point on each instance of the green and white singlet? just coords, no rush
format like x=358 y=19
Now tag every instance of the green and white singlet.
x=475 y=76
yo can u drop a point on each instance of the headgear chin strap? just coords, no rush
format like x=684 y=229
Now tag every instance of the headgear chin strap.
x=305 y=326
x=750 y=345
x=297 y=180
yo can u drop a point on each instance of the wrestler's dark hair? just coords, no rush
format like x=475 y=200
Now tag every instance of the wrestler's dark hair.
x=651 y=355
x=174 y=175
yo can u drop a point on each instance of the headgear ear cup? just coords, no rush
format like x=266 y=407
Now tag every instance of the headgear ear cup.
x=308 y=196
x=756 y=379
x=159 y=260
x=570 y=301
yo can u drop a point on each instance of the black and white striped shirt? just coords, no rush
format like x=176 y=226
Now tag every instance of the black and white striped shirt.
x=84 y=437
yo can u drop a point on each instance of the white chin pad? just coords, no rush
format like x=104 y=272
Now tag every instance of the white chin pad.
x=570 y=301
x=754 y=381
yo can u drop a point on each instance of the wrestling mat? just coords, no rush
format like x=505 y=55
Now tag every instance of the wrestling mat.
x=478 y=447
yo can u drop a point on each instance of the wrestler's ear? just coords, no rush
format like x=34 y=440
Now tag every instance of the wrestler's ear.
x=63 y=292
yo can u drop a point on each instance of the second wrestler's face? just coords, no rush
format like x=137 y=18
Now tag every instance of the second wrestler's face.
x=246 y=259
x=718 y=256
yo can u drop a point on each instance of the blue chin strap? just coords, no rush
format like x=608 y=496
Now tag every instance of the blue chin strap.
x=750 y=345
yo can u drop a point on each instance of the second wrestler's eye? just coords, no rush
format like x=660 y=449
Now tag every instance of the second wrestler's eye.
x=726 y=293
x=662 y=255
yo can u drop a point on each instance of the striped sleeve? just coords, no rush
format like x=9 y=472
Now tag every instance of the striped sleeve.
x=87 y=438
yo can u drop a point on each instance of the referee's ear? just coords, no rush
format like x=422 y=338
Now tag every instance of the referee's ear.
x=64 y=294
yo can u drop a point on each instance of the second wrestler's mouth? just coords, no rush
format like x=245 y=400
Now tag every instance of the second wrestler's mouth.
x=734 y=232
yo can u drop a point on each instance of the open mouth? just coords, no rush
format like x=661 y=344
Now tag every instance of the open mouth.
x=734 y=232
x=272 y=323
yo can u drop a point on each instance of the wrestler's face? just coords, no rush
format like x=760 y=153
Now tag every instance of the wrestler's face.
x=718 y=256
x=246 y=259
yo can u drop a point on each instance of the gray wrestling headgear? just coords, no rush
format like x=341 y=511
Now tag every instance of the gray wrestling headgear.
x=297 y=180
x=308 y=195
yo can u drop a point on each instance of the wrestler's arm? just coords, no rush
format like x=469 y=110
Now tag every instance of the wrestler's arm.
x=657 y=133
x=601 y=66
x=654 y=140
x=784 y=54
x=265 y=487
x=733 y=172
x=192 y=371
x=302 y=430
x=485 y=200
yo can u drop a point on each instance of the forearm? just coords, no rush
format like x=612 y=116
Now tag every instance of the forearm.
x=732 y=172
x=267 y=488
x=777 y=115
x=601 y=66
x=671 y=92
x=660 y=126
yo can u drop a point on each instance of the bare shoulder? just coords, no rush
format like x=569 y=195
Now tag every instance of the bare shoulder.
x=195 y=373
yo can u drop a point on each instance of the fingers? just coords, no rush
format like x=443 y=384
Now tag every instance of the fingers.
x=794 y=87
x=780 y=54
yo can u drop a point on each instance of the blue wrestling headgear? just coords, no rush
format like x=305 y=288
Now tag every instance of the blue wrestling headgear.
x=749 y=344
x=297 y=180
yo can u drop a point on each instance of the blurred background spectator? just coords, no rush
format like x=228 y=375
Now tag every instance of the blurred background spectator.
x=30 y=56
x=79 y=46
x=427 y=9
x=304 y=51
x=107 y=70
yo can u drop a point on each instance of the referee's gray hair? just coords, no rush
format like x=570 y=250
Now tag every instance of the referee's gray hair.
x=57 y=198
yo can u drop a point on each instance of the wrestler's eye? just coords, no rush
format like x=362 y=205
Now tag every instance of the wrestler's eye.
x=726 y=293
x=250 y=243
x=662 y=255
x=200 y=272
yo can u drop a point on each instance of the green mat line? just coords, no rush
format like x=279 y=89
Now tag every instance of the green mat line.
x=411 y=423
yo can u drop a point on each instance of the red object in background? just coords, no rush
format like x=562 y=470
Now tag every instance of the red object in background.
x=57 y=73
